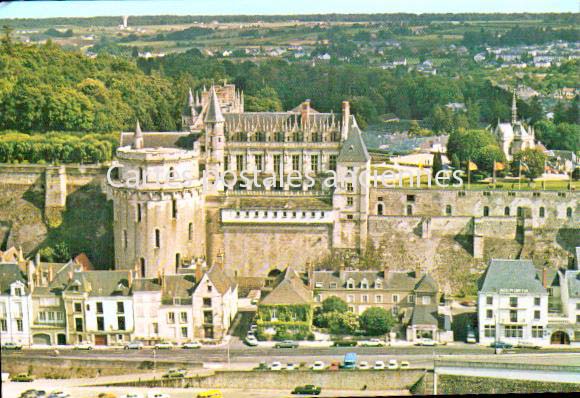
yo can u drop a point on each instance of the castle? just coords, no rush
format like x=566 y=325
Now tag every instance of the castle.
x=256 y=229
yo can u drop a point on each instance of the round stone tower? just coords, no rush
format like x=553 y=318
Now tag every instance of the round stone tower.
x=158 y=217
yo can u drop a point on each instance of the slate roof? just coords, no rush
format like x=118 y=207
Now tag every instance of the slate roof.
x=427 y=284
x=220 y=280
x=425 y=315
x=181 y=286
x=354 y=148
x=511 y=274
x=101 y=283
x=146 y=285
x=395 y=281
x=214 y=109
x=10 y=273
x=172 y=139
x=290 y=291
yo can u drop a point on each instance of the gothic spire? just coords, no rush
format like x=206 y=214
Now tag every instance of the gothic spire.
x=214 y=109
x=190 y=100
x=138 y=138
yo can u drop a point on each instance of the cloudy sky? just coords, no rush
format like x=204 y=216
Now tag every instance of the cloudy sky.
x=43 y=9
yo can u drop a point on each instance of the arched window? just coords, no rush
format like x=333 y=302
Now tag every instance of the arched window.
x=486 y=211
x=142 y=266
x=448 y=210
x=177 y=261
x=409 y=210
x=174 y=208
x=190 y=230
x=506 y=211
x=520 y=211
x=171 y=173
x=141 y=176
x=380 y=209
x=542 y=212
x=139 y=214
x=569 y=212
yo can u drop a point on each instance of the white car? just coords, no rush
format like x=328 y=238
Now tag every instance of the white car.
x=252 y=341
x=393 y=364
x=254 y=327
x=405 y=364
x=318 y=365
x=191 y=345
x=132 y=395
x=427 y=342
x=134 y=345
x=157 y=395
x=364 y=365
x=291 y=366
x=379 y=365
x=83 y=346
x=163 y=345
x=58 y=394
x=373 y=343
x=276 y=366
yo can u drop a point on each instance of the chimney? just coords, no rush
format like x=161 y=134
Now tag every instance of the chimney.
x=345 y=120
x=37 y=259
x=50 y=274
x=38 y=274
x=198 y=271
x=305 y=113
x=544 y=278
x=70 y=275
x=30 y=275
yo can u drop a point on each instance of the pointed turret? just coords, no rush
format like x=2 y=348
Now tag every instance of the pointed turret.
x=138 y=139
x=214 y=110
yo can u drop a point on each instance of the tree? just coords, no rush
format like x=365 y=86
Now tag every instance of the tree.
x=532 y=162
x=376 y=321
x=334 y=304
x=437 y=164
x=469 y=145
x=342 y=322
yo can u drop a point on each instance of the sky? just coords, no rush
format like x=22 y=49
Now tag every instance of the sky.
x=45 y=9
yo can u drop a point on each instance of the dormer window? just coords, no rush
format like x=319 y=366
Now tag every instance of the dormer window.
x=18 y=291
x=364 y=284
x=378 y=284
x=318 y=285
x=350 y=284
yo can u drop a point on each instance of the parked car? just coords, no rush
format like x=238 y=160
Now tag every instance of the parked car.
x=364 y=365
x=335 y=365
x=210 y=394
x=59 y=394
x=253 y=327
x=393 y=364
x=22 y=378
x=252 y=341
x=157 y=395
x=292 y=366
x=11 y=346
x=31 y=394
x=318 y=365
x=379 y=365
x=404 y=365
x=163 y=345
x=373 y=343
x=191 y=345
x=83 y=346
x=528 y=344
x=251 y=333
x=308 y=389
x=132 y=395
x=276 y=366
x=107 y=395
x=286 y=344
x=344 y=343
x=175 y=374
x=470 y=339
x=426 y=342
x=500 y=344
x=134 y=345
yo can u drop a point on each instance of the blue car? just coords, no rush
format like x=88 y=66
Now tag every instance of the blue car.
x=500 y=344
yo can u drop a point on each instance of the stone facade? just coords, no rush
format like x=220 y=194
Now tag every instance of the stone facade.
x=258 y=229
